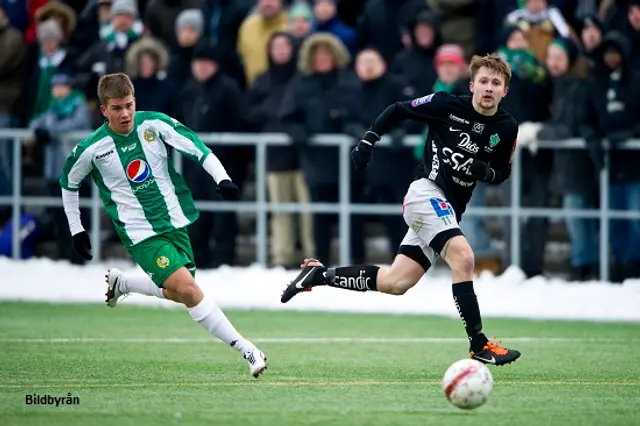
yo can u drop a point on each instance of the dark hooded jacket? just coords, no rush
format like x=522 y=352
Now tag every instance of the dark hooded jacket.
x=154 y=93
x=388 y=162
x=415 y=63
x=613 y=111
x=263 y=102
x=574 y=171
x=382 y=22
x=320 y=103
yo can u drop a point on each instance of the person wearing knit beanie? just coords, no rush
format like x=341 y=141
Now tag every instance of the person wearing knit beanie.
x=561 y=54
x=192 y=18
x=569 y=48
x=301 y=20
x=124 y=7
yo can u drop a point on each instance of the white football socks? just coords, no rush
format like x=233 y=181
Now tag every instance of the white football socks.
x=211 y=317
x=140 y=284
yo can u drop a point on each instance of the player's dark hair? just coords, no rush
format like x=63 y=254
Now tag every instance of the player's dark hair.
x=114 y=86
x=493 y=62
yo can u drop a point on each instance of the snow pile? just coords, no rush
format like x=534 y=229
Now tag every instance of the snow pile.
x=256 y=287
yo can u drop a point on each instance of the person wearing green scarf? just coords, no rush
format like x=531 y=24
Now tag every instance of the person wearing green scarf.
x=124 y=28
x=517 y=53
x=450 y=67
x=67 y=111
x=51 y=56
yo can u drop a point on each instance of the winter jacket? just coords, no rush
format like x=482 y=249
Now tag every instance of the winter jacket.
x=263 y=102
x=574 y=171
x=382 y=23
x=160 y=17
x=416 y=63
x=388 y=162
x=613 y=111
x=153 y=93
x=253 y=37
x=12 y=60
x=317 y=104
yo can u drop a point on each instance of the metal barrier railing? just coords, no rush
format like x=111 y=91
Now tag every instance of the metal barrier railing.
x=344 y=208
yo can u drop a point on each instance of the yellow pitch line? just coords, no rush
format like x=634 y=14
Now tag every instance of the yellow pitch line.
x=294 y=383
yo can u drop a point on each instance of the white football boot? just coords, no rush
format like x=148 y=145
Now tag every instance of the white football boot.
x=257 y=361
x=114 y=291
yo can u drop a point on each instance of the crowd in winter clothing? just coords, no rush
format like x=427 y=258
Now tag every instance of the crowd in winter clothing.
x=305 y=68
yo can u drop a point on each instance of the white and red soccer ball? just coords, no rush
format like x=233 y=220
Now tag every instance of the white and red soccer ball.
x=467 y=384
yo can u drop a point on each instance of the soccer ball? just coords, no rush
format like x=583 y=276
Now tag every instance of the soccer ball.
x=467 y=384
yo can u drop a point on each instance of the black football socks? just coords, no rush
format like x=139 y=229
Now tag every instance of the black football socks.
x=357 y=277
x=467 y=305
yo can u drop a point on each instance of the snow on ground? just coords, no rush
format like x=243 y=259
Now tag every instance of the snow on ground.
x=256 y=287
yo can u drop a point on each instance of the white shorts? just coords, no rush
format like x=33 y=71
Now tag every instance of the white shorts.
x=431 y=220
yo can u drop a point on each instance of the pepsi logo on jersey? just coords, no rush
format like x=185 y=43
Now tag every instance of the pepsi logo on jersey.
x=138 y=171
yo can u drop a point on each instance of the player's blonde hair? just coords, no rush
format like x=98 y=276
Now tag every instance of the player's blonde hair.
x=114 y=86
x=494 y=63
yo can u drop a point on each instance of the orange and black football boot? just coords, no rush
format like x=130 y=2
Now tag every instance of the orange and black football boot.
x=495 y=354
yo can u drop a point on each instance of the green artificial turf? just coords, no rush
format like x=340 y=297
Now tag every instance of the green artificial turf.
x=593 y=378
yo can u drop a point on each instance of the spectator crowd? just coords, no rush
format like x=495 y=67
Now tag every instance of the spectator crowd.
x=305 y=68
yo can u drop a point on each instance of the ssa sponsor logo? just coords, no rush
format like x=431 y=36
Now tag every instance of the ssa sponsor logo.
x=457 y=161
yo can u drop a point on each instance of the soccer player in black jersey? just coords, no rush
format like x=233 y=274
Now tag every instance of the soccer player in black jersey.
x=470 y=139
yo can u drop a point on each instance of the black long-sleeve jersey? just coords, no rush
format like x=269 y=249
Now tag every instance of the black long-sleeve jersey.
x=457 y=135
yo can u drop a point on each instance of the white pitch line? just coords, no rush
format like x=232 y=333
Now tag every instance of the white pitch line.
x=307 y=340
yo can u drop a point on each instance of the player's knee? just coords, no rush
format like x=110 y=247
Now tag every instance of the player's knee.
x=401 y=285
x=190 y=294
x=460 y=256
x=398 y=279
x=183 y=288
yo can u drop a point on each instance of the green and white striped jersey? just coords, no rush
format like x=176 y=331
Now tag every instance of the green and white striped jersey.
x=142 y=193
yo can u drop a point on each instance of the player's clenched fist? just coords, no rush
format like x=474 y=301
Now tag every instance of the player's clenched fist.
x=361 y=154
x=228 y=190
x=82 y=245
x=482 y=171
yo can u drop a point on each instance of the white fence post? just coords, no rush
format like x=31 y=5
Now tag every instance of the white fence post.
x=516 y=187
x=604 y=218
x=262 y=234
x=344 y=227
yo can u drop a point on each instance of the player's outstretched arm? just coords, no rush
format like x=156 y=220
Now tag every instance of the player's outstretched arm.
x=187 y=142
x=77 y=166
x=421 y=109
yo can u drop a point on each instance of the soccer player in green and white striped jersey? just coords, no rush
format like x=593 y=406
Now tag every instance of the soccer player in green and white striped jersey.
x=149 y=205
